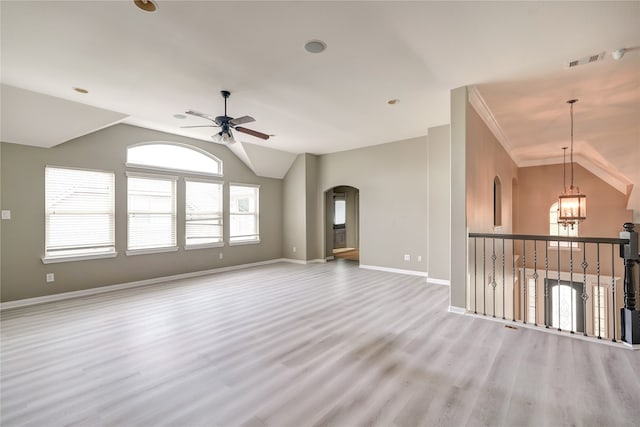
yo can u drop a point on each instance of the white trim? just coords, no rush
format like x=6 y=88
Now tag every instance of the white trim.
x=438 y=281
x=151 y=251
x=330 y=258
x=395 y=270
x=456 y=310
x=172 y=170
x=244 y=242
x=304 y=262
x=204 y=246
x=109 y=288
x=55 y=260
x=480 y=106
x=151 y=176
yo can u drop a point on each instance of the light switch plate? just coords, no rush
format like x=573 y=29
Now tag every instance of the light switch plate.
x=6 y=214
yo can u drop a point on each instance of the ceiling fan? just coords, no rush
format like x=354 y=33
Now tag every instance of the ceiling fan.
x=227 y=123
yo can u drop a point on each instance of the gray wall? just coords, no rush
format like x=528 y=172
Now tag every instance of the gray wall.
x=392 y=183
x=458 y=275
x=295 y=211
x=22 y=182
x=439 y=194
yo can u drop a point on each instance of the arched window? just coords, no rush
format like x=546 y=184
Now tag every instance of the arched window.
x=152 y=198
x=556 y=229
x=175 y=157
x=497 y=202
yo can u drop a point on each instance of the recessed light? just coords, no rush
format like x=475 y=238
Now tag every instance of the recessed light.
x=315 y=46
x=180 y=116
x=146 y=5
x=80 y=90
x=393 y=101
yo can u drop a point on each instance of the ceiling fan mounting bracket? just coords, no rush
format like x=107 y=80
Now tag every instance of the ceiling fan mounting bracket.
x=225 y=93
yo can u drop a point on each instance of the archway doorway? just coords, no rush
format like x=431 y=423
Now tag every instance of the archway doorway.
x=342 y=223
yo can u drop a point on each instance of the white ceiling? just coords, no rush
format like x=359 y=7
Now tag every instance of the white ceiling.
x=150 y=66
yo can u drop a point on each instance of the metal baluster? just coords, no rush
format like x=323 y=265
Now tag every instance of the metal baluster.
x=503 y=278
x=524 y=282
x=484 y=276
x=535 y=283
x=546 y=284
x=558 y=287
x=584 y=295
x=613 y=293
x=493 y=273
x=513 y=280
x=571 y=284
x=475 y=276
x=598 y=284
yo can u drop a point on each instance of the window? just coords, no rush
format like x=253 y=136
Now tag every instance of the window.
x=203 y=212
x=497 y=202
x=243 y=215
x=339 y=209
x=600 y=311
x=173 y=157
x=79 y=214
x=151 y=212
x=556 y=229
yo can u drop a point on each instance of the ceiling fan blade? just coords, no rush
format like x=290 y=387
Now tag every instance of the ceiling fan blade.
x=199 y=114
x=252 y=132
x=241 y=120
x=201 y=126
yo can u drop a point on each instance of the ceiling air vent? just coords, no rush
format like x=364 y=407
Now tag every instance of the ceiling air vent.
x=587 y=60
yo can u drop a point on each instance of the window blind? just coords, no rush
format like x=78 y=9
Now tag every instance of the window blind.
x=79 y=212
x=151 y=212
x=203 y=212
x=243 y=215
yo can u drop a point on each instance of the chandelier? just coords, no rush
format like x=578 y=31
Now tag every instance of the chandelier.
x=572 y=204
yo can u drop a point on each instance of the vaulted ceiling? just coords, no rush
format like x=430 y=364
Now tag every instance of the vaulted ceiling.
x=143 y=68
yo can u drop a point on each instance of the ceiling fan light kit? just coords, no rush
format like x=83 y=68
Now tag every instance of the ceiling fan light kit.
x=226 y=123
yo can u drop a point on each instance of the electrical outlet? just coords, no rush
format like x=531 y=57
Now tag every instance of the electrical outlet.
x=51 y=277
x=407 y=257
x=6 y=214
x=294 y=249
x=221 y=255
x=419 y=258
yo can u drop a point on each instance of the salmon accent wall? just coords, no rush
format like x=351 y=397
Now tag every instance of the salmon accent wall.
x=539 y=187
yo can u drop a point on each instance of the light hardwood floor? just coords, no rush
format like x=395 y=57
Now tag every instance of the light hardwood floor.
x=300 y=345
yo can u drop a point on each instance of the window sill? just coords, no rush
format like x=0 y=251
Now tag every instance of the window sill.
x=55 y=260
x=204 y=246
x=244 y=242
x=151 y=251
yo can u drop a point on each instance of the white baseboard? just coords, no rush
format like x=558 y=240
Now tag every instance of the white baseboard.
x=146 y=282
x=457 y=310
x=302 y=261
x=438 y=281
x=395 y=270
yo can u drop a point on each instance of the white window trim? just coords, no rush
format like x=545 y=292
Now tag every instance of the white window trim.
x=182 y=171
x=55 y=260
x=204 y=246
x=245 y=242
x=151 y=250
x=151 y=175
